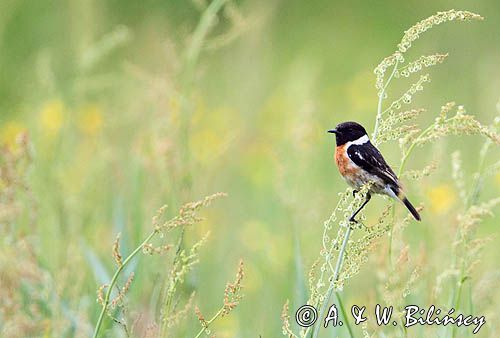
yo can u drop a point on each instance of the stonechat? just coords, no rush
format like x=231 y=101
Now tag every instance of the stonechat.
x=360 y=163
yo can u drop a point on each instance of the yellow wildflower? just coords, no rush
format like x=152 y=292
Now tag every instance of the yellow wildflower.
x=441 y=198
x=52 y=116
x=213 y=132
x=91 y=120
x=9 y=133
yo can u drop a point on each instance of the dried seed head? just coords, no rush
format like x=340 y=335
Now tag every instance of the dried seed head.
x=285 y=318
x=232 y=295
x=150 y=249
x=381 y=69
x=422 y=62
x=419 y=174
x=187 y=214
x=175 y=318
x=415 y=31
x=403 y=256
x=118 y=300
x=116 y=251
x=407 y=96
x=184 y=263
x=460 y=124
x=100 y=294
x=200 y=317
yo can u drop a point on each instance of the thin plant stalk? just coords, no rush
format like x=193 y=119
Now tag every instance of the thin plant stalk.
x=400 y=171
x=406 y=155
x=381 y=99
x=168 y=300
x=191 y=58
x=111 y=285
x=209 y=322
x=377 y=123
x=349 y=229
x=344 y=314
x=334 y=279
x=193 y=52
x=470 y=201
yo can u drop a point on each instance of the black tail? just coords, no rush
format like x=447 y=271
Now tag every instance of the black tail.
x=412 y=209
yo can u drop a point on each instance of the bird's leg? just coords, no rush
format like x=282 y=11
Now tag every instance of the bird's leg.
x=367 y=199
x=354 y=192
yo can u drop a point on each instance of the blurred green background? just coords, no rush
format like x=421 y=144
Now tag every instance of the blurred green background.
x=99 y=87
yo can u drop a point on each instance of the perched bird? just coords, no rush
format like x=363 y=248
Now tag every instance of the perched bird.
x=359 y=162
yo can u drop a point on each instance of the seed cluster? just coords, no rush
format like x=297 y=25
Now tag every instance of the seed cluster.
x=415 y=31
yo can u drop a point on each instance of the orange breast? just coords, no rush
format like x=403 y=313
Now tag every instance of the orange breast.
x=343 y=161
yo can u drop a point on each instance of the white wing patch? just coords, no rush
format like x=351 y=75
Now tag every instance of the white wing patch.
x=362 y=140
x=390 y=175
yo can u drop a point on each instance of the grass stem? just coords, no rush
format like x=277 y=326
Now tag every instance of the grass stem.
x=332 y=283
x=349 y=229
x=378 y=118
x=111 y=285
x=209 y=322
x=344 y=314
x=471 y=200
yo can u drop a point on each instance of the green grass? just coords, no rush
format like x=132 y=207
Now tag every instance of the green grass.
x=127 y=108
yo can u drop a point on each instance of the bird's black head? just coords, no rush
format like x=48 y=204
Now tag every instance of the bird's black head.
x=348 y=131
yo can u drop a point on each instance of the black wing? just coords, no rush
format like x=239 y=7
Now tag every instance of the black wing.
x=370 y=159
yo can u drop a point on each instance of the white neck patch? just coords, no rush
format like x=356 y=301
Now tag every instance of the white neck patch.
x=362 y=140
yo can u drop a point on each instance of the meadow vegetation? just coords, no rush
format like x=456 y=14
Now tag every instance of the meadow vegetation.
x=108 y=119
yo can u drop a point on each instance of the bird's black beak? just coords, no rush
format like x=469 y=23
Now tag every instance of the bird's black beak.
x=333 y=131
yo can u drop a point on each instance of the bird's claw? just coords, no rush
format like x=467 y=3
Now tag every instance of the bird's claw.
x=352 y=223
